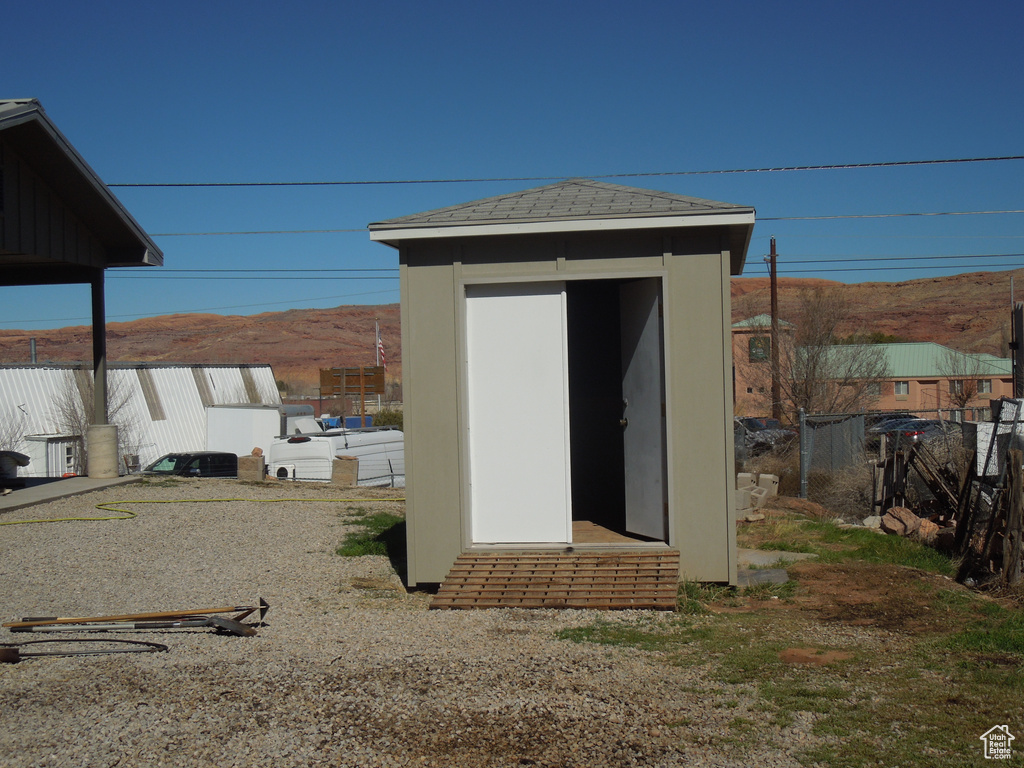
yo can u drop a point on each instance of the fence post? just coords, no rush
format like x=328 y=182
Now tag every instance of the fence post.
x=1012 y=553
x=804 y=463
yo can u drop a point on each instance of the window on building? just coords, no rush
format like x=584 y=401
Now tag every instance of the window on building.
x=956 y=387
x=873 y=389
x=902 y=388
x=984 y=386
x=760 y=348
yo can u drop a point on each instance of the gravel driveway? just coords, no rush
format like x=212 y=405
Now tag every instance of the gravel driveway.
x=349 y=670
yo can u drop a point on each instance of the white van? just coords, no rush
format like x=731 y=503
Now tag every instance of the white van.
x=381 y=454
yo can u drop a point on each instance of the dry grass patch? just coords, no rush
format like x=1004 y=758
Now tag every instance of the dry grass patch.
x=864 y=660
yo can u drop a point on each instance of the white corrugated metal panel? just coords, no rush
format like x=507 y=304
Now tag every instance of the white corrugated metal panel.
x=157 y=408
x=249 y=384
x=29 y=398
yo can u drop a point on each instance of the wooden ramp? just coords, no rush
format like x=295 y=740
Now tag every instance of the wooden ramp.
x=608 y=580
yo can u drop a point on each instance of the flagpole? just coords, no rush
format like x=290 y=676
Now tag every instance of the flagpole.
x=376 y=326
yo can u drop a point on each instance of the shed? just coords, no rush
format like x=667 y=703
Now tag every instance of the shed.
x=567 y=375
x=59 y=224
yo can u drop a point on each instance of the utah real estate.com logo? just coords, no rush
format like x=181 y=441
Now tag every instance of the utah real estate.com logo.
x=997 y=742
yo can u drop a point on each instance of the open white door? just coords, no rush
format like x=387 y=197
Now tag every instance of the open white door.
x=517 y=363
x=643 y=396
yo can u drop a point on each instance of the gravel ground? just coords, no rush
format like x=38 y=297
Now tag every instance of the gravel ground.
x=348 y=670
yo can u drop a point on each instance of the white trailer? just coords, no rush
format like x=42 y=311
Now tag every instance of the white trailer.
x=381 y=455
x=241 y=427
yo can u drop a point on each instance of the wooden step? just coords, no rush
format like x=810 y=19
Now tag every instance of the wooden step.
x=613 y=580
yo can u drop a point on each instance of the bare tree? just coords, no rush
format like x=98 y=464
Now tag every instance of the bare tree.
x=73 y=412
x=12 y=431
x=963 y=371
x=821 y=373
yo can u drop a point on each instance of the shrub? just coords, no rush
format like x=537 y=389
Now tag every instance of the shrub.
x=388 y=417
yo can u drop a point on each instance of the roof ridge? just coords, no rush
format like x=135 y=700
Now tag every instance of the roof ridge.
x=566 y=200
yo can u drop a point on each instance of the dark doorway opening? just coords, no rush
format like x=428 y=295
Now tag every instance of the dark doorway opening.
x=595 y=403
x=597 y=407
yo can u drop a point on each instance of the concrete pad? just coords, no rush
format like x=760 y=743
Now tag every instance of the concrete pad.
x=29 y=491
x=763 y=558
x=747 y=577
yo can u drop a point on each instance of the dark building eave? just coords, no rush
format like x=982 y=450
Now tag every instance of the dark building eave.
x=26 y=128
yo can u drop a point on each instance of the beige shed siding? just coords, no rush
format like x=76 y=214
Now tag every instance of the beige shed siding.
x=429 y=383
x=699 y=398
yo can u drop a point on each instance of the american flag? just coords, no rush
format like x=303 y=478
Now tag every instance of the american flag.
x=380 y=351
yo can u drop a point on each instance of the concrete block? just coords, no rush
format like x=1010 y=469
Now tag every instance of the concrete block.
x=758 y=497
x=770 y=483
x=252 y=469
x=745 y=480
x=345 y=471
x=742 y=499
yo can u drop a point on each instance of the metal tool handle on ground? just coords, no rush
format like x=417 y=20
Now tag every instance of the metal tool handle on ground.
x=243 y=611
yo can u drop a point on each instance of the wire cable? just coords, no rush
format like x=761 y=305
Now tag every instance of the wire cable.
x=771 y=169
x=364 y=230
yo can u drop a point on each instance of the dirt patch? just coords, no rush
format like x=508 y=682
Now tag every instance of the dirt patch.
x=779 y=506
x=889 y=597
x=813 y=656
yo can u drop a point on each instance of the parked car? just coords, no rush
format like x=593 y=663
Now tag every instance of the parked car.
x=874 y=419
x=195 y=464
x=913 y=430
x=886 y=427
x=923 y=430
x=759 y=436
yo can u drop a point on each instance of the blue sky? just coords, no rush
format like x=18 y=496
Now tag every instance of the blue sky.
x=259 y=92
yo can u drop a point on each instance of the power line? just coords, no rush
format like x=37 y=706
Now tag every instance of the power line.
x=883 y=215
x=790 y=236
x=7 y=323
x=858 y=259
x=259 y=232
x=392 y=273
x=774 y=169
x=1006 y=267
x=763 y=218
x=159 y=276
x=969 y=265
x=164 y=270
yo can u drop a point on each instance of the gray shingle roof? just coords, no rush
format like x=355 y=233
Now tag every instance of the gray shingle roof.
x=570 y=200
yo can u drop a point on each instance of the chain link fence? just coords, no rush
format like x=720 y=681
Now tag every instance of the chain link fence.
x=836 y=459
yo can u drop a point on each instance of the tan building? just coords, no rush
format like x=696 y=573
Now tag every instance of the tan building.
x=751 y=357
x=555 y=343
x=926 y=376
x=921 y=377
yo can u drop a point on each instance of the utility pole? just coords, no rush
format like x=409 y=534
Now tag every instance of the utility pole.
x=776 y=384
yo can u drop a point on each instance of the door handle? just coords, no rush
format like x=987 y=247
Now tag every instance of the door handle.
x=623 y=423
